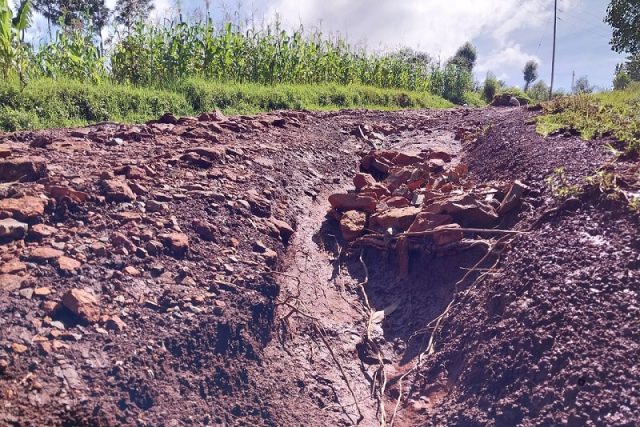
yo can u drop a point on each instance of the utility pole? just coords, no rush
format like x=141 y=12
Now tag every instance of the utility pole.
x=573 y=81
x=553 y=59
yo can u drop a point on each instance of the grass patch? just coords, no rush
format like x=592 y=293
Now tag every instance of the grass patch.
x=46 y=103
x=615 y=113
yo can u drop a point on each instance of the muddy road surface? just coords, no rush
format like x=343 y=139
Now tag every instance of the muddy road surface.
x=292 y=269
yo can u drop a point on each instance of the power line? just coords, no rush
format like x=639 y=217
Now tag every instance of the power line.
x=553 y=60
x=594 y=28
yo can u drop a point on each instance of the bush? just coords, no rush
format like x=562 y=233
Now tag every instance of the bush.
x=518 y=94
x=539 y=92
x=621 y=81
x=490 y=87
x=474 y=99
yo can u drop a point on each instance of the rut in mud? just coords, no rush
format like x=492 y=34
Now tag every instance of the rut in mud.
x=185 y=272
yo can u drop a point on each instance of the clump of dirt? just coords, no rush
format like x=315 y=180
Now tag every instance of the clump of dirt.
x=185 y=272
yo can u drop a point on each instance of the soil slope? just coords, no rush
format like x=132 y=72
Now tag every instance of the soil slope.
x=184 y=272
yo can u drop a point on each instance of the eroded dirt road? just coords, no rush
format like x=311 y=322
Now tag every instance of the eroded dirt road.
x=186 y=273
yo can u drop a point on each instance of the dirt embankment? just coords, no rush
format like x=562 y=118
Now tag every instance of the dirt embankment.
x=185 y=273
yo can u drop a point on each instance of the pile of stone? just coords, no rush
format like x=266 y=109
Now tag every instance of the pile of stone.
x=424 y=196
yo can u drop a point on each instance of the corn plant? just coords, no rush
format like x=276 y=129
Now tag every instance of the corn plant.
x=13 y=52
x=268 y=56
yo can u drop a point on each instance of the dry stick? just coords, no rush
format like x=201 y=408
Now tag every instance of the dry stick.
x=315 y=322
x=381 y=370
x=342 y=371
x=464 y=230
x=431 y=347
x=366 y=139
x=337 y=260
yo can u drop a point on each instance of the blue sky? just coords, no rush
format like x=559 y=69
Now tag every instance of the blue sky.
x=506 y=33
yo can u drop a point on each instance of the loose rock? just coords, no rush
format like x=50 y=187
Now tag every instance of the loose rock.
x=22 y=169
x=10 y=229
x=83 y=304
x=352 y=225
x=27 y=208
x=177 y=243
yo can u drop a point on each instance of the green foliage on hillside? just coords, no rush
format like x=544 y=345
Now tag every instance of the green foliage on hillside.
x=615 y=113
x=46 y=103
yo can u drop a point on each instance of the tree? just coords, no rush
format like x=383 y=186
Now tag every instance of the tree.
x=582 y=86
x=74 y=12
x=129 y=12
x=633 y=67
x=621 y=80
x=530 y=73
x=624 y=18
x=465 y=57
x=490 y=87
x=539 y=91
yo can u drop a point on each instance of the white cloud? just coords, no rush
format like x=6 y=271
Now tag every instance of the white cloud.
x=436 y=26
x=506 y=60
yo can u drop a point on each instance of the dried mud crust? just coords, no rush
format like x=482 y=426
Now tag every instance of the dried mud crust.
x=208 y=312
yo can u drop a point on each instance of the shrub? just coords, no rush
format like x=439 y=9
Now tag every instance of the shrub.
x=490 y=87
x=621 y=81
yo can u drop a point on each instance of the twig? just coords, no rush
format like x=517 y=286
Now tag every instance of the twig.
x=316 y=324
x=380 y=373
x=464 y=230
x=499 y=244
x=342 y=371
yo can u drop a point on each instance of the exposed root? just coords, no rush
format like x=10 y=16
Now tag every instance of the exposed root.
x=380 y=377
x=294 y=304
x=495 y=248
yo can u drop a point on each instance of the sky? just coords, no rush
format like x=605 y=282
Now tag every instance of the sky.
x=506 y=33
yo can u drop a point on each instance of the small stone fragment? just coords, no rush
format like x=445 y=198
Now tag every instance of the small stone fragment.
x=353 y=202
x=513 y=197
x=10 y=229
x=447 y=234
x=83 y=304
x=41 y=231
x=285 y=230
x=45 y=254
x=22 y=169
x=270 y=256
x=115 y=323
x=398 y=219
x=12 y=266
x=68 y=265
x=362 y=180
x=26 y=208
x=153 y=206
x=117 y=190
x=428 y=221
x=352 y=225
x=205 y=230
x=131 y=271
x=42 y=292
x=177 y=243
x=11 y=282
x=19 y=348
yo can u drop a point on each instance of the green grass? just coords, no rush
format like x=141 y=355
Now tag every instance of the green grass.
x=46 y=103
x=517 y=93
x=615 y=113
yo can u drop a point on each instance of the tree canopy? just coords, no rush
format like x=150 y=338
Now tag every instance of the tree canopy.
x=465 y=57
x=128 y=12
x=624 y=18
x=530 y=73
x=74 y=11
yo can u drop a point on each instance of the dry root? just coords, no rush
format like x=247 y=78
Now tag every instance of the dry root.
x=494 y=249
